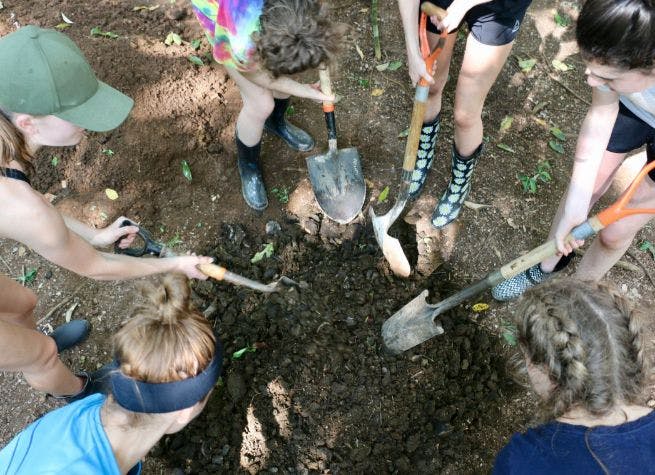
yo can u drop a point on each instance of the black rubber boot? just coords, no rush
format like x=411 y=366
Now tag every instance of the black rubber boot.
x=96 y=382
x=70 y=334
x=452 y=200
x=424 y=157
x=252 y=182
x=277 y=124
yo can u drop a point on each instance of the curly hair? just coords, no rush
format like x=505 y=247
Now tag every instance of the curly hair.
x=296 y=35
x=617 y=33
x=590 y=340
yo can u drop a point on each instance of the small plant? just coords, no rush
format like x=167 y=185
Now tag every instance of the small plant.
x=186 y=170
x=526 y=65
x=282 y=194
x=239 y=353
x=174 y=241
x=542 y=174
x=562 y=19
x=96 y=31
x=647 y=246
x=384 y=194
x=107 y=151
x=195 y=60
x=290 y=110
x=266 y=252
x=54 y=160
x=28 y=276
x=173 y=38
x=195 y=44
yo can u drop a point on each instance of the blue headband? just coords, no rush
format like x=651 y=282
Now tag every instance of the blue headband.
x=157 y=398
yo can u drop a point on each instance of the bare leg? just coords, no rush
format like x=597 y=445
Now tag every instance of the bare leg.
x=610 y=164
x=614 y=240
x=257 y=106
x=23 y=348
x=440 y=76
x=480 y=68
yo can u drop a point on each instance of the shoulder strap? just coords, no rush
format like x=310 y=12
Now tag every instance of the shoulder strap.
x=15 y=174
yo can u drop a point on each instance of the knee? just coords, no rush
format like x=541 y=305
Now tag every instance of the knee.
x=260 y=106
x=465 y=119
x=614 y=239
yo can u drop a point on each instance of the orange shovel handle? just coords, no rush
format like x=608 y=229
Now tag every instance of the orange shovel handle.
x=429 y=9
x=618 y=209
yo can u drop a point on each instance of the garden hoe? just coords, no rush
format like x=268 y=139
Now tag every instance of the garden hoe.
x=152 y=247
x=336 y=176
x=391 y=247
x=415 y=322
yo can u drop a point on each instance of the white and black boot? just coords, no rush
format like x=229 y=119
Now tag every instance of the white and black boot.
x=424 y=156
x=452 y=200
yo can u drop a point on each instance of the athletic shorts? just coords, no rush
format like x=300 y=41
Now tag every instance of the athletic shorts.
x=495 y=23
x=630 y=133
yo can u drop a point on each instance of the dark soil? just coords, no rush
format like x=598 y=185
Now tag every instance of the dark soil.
x=318 y=394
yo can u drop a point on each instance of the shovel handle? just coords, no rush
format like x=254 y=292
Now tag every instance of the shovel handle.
x=328 y=107
x=222 y=274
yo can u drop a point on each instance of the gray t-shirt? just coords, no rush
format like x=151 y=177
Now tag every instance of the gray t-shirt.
x=641 y=104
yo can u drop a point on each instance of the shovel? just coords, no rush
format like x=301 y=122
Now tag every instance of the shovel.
x=414 y=323
x=391 y=248
x=152 y=247
x=336 y=176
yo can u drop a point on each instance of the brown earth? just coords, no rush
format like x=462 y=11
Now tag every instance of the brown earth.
x=319 y=394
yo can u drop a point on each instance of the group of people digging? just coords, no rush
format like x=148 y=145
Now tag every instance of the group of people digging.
x=584 y=345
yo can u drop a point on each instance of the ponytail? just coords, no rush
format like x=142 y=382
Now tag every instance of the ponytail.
x=12 y=144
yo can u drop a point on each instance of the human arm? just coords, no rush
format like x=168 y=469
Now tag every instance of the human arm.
x=286 y=85
x=37 y=224
x=415 y=62
x=592 y=142
x=455 y=14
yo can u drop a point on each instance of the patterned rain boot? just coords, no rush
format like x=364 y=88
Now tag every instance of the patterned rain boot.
x=424 y=157
x=252 y=182
x=452 y=200
x=277 y=124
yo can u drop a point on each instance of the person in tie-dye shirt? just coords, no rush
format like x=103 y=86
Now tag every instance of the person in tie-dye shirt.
x=261 y=43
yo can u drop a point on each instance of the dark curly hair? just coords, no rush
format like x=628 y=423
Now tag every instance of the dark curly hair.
x=618 y=33
x=296 y=35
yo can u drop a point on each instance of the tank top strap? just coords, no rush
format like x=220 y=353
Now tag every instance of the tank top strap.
x=15 y=174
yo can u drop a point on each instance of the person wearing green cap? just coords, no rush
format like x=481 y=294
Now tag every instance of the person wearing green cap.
x=48 y=96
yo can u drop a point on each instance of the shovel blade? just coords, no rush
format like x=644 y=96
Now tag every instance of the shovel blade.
x=338 y=183
x=391 y=248
x=411 y=325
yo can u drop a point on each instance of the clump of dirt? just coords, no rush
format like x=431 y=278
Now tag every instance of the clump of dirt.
x=317 y=391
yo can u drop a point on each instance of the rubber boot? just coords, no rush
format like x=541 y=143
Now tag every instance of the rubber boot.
x=70 y=334
x=252 y=182
x=277 y=124
x=424 y=157
x=96 y=382
x=452 y=200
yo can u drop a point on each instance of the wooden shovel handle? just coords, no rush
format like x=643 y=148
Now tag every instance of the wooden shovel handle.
x=326 y=88
x=213 y=271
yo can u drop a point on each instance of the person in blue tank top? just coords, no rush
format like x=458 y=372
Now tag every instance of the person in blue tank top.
x=584 y=348
x=167 y=361
x=617 y=42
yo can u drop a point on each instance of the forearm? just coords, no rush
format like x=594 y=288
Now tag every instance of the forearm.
x=283 y=84
x=409 y=17
x=109 y=266
x=84 y=231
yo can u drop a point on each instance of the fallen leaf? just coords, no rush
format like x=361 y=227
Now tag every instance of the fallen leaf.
x=69 y=312
x=393 y=65
x=555 y=145
x=62 y=26
x=383 y=195
x=377 y=92
x=195 y=60
x=475 y=206
x=506 y=123
x=526 y=65
x=186 y=170
x=21 y=251
x=173 y=38
x=266 y=252
x=359 y=52
x=382 y=67
x=505 y=147
x=560 y=66
x=539 y=107
x=557 y=133
x=145 y=7
x=66 y=19
x=111 y=194
x=404 y=133
x=480 y=307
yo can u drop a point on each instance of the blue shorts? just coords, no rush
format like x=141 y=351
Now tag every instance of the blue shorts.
x=630 y=133
x=495 y=23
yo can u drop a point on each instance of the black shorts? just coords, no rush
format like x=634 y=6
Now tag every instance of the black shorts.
x=630 y=133
x=495 y=23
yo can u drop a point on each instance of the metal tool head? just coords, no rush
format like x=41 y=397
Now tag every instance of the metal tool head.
x=411 y=325
x=391 y=248
x=338 y=183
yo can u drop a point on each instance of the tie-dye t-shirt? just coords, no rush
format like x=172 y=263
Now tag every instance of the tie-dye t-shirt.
x=229 y=25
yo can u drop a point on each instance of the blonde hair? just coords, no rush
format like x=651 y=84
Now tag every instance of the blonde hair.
x=12 y=144
x=590 y=339
x=166 y=339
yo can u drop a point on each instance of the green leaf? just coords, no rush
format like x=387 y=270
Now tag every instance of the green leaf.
x=54 y=160
x=62 y=26
x=195 y=60
x=363 y=82
x=557 y=133
x=282 y=194
x=186 y=170
x=107 y=151
x=506 y=123
x=383 y=195
x=526 y=65
x=239 y=353
x=173 y=38
x=28 y=276
x=562 y=19
x=555 y=145
x=174 y=241
x=290 y=110
x=96 y=31
x=383 y=66
x=505 y=147
x=648 y=246
x=394 y=65
x=560 y=66
x=404 y=133
x=195 y=44
x=266 y=252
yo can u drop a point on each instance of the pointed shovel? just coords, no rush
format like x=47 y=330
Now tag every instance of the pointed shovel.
x=415 y=322
x=391 y=247
x=336 y=176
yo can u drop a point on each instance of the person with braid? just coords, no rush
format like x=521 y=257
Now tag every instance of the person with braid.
x=167 y=360
x=584 y=349
x=262 y=44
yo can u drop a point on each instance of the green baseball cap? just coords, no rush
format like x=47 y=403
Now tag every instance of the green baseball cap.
x=42 y=72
